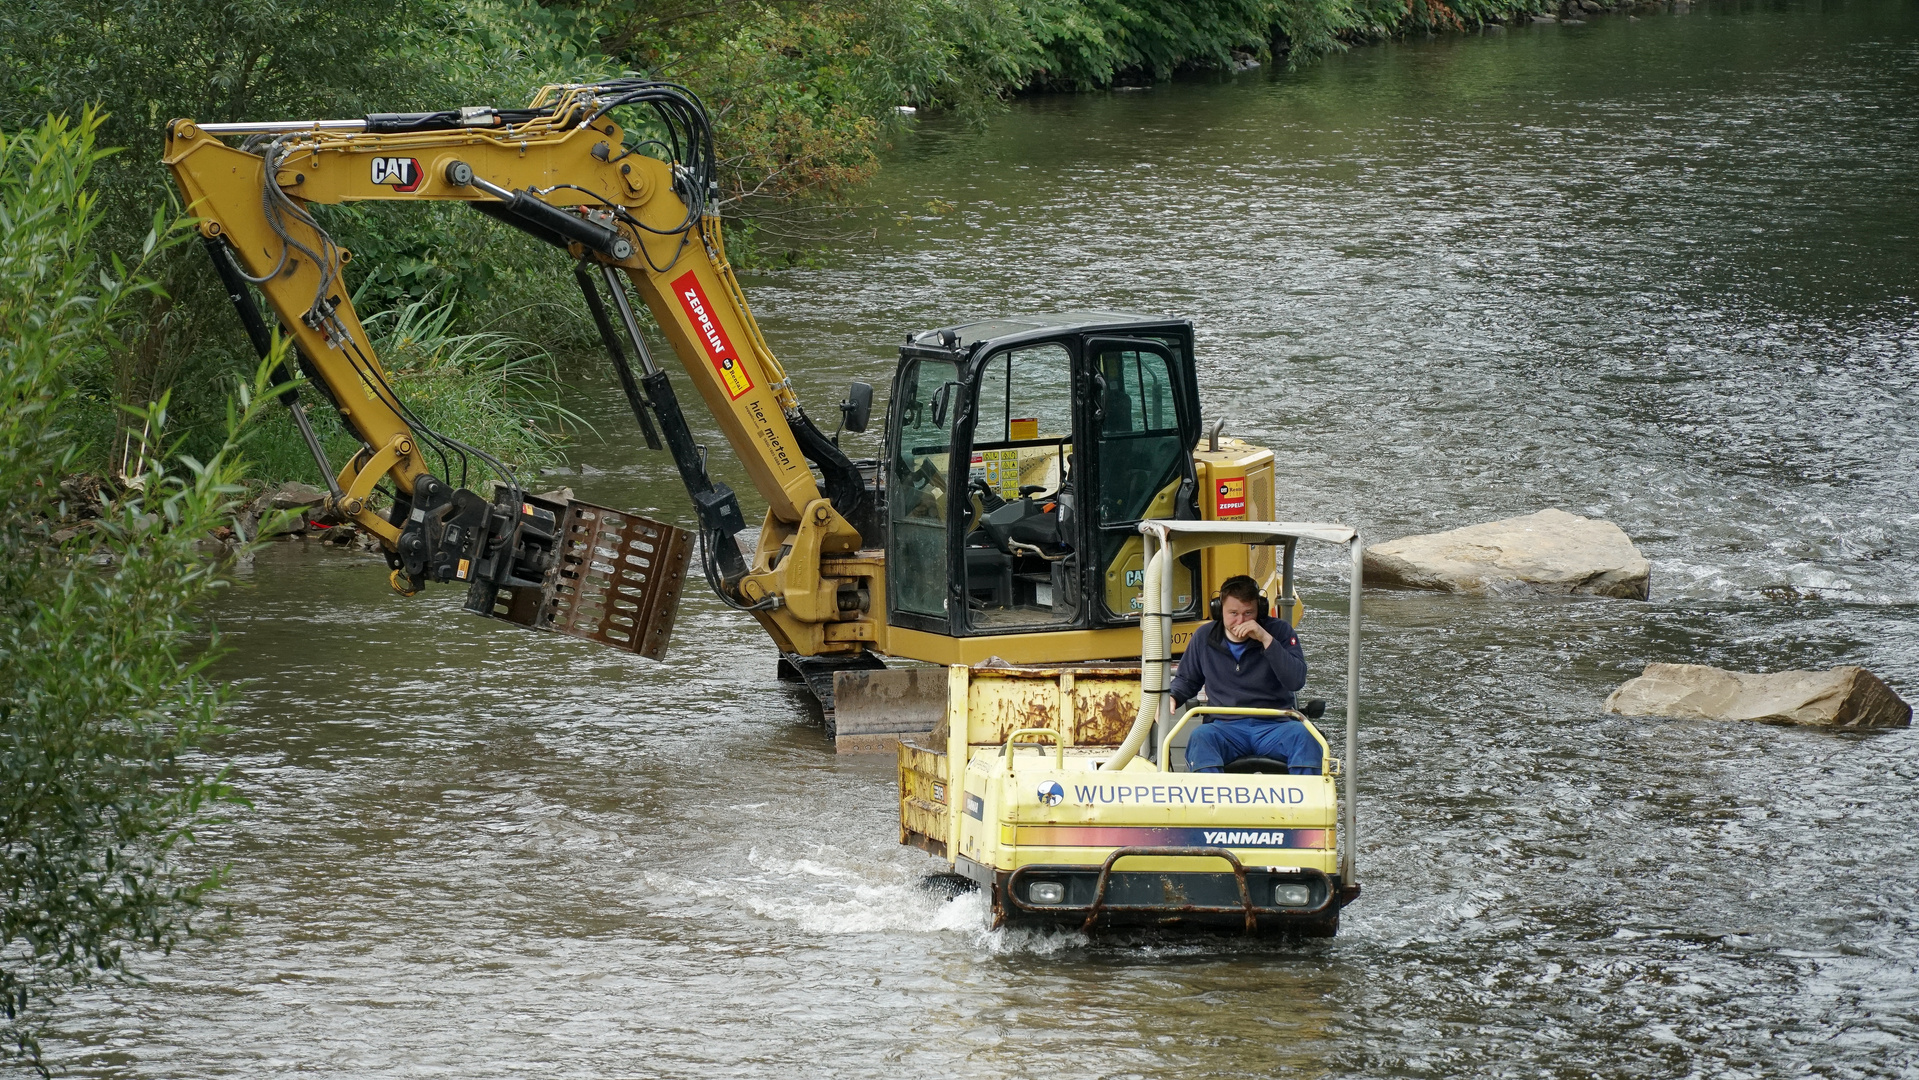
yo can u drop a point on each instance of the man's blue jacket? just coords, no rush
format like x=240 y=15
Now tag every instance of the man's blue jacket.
x=1265 y=678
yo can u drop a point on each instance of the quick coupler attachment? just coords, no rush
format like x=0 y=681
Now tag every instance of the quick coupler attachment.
x=443 y=532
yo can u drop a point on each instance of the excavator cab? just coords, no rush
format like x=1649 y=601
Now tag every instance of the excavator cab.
x=1021 y=456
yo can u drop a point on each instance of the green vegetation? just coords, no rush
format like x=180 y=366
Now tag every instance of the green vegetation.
x=104 y=698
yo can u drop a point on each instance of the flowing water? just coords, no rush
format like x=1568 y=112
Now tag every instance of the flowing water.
x=1658 y=270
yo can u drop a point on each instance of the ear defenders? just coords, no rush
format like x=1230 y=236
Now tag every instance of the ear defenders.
x=1265 y=609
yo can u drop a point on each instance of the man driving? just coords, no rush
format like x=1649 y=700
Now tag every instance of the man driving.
x=1248 y=662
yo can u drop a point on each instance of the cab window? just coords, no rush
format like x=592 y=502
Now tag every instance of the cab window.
x=917 y=496
x=1026 y=395
x=1139 y=434
x=1021 y=563
x=1142 y=464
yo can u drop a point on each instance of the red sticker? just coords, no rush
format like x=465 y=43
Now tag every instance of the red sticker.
x=719 y=349
x=1229 y=498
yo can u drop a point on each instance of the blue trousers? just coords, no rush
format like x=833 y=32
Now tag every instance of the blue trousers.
x=1213 y=745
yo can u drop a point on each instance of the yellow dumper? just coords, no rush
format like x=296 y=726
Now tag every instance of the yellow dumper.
x=1064 y=792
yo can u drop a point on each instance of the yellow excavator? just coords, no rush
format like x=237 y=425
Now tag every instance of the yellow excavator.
x=1047 y=521
x=1021 y=453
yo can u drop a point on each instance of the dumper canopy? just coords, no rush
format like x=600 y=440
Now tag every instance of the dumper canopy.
x=1166 y=541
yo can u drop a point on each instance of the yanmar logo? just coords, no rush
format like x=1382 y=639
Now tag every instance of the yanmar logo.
x=1247 y=839
x=719 y=350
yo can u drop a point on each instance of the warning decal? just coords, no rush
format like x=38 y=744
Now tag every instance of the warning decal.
x=719 y=350
x=1231 y=500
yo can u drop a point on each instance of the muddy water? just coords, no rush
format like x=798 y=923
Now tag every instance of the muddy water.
x=1660 y=271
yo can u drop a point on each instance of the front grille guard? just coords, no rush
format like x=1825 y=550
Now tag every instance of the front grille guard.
x=1333 y=897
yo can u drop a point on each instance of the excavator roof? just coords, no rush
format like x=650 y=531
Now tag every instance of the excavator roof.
x=995 y=332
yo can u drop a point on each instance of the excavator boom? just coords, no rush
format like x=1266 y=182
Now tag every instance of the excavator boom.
x=565 y=171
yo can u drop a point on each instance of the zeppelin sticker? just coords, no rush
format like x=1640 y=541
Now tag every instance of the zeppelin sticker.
x=1231 y=502
x=719 y=350
x=399 y=173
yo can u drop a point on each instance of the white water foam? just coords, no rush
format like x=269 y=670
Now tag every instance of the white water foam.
x=830 y=891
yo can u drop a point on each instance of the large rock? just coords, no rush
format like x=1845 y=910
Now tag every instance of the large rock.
x=1841 y=697
x=280 y=512
x=1551 y=552
x=293 y=495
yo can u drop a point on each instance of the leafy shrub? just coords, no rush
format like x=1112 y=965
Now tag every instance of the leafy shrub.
x=104 y=699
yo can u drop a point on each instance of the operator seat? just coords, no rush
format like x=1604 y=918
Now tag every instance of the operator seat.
x=1256 y=764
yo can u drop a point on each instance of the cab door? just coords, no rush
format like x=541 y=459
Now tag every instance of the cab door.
x=920 y=500
x=1141 y=467
x=1021 y=554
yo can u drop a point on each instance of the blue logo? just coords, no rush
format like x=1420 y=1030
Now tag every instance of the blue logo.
x=1051 y=793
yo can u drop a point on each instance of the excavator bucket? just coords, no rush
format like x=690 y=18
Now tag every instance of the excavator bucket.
x=616 y=579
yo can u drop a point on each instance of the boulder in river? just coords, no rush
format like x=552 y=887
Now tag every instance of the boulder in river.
x=1550 y=552
x=1842 y=697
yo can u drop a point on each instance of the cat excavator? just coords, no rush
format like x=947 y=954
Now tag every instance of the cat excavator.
x=1021 y=453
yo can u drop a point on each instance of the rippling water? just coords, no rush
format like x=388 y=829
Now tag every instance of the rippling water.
x=1657 y=270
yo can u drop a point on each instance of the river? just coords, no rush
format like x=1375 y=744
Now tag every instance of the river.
x=1659 y=270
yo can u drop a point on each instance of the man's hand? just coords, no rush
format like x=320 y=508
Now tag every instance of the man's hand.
x=1250 y=630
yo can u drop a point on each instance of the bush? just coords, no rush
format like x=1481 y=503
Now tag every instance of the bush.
x=497 y=389
x=104 y=699
x=147 y=61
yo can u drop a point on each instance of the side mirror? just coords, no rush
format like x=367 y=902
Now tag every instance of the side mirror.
x=857 y=409
x=942 y=401
x=1315 y=709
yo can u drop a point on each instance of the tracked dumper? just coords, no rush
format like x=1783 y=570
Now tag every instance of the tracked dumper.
x=1063 y=790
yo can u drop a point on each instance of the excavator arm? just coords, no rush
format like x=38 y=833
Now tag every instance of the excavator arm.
x=566 y=171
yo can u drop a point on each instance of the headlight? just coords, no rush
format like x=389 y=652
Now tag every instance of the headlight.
x=1046 y=892
x=1286 y=895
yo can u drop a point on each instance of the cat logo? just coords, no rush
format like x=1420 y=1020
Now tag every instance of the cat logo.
x=401 y=173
